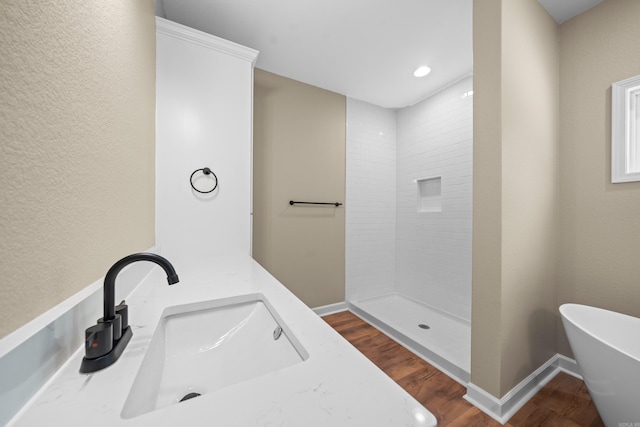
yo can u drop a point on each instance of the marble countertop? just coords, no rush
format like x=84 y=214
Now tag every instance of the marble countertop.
x=335 y=386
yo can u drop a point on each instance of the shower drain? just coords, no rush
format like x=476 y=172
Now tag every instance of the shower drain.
x=423 y=326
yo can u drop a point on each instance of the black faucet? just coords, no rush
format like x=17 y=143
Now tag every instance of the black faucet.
x=105 y=341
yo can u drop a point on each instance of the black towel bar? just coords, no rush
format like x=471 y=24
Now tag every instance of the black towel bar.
x=336 y=204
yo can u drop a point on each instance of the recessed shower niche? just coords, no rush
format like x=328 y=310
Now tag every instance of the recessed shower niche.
x=429 y=194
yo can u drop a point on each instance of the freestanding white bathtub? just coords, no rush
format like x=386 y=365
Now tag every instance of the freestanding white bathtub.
x=606 y=346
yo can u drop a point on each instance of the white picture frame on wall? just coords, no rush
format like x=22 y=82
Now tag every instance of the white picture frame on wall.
x=625 y=130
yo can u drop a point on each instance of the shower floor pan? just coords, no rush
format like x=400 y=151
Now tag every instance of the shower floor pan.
x=438 y=337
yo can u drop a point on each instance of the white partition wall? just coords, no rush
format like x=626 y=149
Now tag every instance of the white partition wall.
x=204 y=110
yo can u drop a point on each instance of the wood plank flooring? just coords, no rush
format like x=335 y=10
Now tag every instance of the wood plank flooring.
x=564 y=402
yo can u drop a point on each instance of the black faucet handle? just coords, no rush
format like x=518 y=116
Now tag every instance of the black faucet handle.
x=98 y=340
x=117 y=326
x=123 y=310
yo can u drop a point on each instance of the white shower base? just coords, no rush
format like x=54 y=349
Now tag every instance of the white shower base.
x=446 y=345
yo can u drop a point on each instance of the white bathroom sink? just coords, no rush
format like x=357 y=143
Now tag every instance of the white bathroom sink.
x=201 y=347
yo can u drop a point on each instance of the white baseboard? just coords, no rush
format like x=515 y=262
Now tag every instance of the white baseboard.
x=569 y=366
x=503 y=409
x=325 y=310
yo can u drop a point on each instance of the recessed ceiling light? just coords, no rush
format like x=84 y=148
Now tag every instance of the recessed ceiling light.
x=422 y=71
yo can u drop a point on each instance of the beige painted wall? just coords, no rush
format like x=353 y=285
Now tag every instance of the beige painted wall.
x=516 y=137
x=299 y=153
x=530 y=188
x=486 y=298
x=77 y=144
x=600 y=221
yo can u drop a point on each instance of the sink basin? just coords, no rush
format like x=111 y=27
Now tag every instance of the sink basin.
x=205 y=346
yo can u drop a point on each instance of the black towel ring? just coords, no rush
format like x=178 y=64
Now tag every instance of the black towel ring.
x=205 y=171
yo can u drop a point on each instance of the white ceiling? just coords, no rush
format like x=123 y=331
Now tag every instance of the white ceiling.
x=365 y=49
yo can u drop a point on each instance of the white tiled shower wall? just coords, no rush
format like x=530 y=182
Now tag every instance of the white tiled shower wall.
x=371 y=200
x=433 y=249
x=390 y=246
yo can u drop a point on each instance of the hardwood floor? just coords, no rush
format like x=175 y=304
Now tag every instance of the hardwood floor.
x=565 y=401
